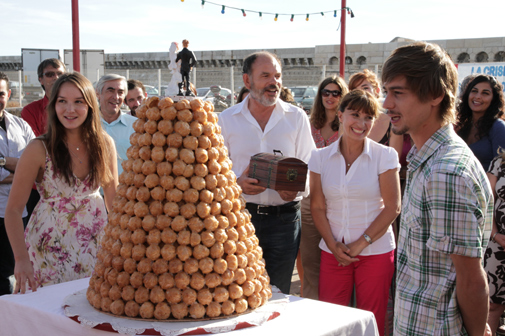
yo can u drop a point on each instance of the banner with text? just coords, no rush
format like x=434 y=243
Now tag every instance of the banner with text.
x=496 y=69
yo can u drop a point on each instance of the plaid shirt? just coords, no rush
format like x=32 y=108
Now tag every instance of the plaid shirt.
x=447 y=209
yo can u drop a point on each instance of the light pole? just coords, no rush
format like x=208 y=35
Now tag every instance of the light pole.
x=76 y=52
x=342 y=37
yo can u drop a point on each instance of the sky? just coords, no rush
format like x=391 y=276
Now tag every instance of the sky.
x=151 y=25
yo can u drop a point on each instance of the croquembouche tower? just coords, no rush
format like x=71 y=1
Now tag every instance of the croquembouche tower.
x=179 y=242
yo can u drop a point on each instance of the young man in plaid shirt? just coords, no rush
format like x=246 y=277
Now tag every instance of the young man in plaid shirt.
x=447 y=206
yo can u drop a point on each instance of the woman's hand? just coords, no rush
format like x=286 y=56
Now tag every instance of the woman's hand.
x=355 y=248
x=23 y=271
x=500 y=239
x=341 y=253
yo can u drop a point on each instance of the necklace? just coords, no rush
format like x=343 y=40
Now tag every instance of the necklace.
x=74 y=154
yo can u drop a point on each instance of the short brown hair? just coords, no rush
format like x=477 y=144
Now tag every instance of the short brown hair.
x=359 y=100
x=54 y=62
x=366 y=75
x=134 y=83
x=429 y=72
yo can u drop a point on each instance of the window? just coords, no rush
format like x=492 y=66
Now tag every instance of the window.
x=463 y=58
x=361 y=60
x=333 y=60
x=499 y=56
x=348 y=60
x=482 y=57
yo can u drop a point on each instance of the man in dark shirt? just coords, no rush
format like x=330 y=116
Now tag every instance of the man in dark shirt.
x=188 y=61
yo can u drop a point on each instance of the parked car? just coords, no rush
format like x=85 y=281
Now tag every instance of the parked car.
x=205 y=93
x=220 y=97
x=151 y=91
x=304 y=95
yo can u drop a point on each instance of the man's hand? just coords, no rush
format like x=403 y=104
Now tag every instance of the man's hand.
x=11 y=163
x=287 y=196
x=249 y=185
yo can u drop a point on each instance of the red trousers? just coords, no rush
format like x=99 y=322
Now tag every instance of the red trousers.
x=371 y=276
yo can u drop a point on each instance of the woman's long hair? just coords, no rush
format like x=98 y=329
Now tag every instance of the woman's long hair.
x=318 y=112
x=494 y=111
x=93 y=136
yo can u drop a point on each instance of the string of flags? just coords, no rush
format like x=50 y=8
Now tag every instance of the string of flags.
x=276 y=15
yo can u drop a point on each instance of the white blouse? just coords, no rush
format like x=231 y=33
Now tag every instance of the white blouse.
x=353 y=200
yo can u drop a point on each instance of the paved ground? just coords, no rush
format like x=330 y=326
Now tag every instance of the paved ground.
x=295 y=283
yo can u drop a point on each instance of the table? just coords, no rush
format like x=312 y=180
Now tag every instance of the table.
x=40 y=313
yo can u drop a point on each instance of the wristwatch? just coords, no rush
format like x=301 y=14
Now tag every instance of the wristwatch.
x=367 y=238
x=3 y=161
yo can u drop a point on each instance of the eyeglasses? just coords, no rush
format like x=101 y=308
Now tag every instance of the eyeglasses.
x=51 y=74
x=327 y=93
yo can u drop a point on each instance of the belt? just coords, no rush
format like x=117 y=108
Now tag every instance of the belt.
x=273 y=209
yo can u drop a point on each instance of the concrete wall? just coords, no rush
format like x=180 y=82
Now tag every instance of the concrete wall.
x=301 y=66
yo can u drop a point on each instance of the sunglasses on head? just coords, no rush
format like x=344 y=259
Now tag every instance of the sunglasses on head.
x=51 y=74
x=335 y=93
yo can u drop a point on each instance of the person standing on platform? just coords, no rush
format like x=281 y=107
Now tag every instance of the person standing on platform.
x=136 y=95
x=447 y=208
x=111 y=91
x=264 y=123
x=188 y=61
x=15 y=134
x=35 y=114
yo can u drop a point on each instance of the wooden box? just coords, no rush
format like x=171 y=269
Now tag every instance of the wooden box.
x=278 y=172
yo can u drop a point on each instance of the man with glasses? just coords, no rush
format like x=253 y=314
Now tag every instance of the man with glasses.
x=264 y=123
x=35 y=114
x=15 y=134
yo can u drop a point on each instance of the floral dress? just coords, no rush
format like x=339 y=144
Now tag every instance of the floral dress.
x=494 y=258
x=64 y=230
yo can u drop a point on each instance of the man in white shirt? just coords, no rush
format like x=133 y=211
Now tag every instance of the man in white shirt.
x=15 y=134
x=111 y=91
x=264 y=123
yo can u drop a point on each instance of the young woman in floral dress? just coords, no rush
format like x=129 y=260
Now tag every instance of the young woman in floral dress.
x=68 y=164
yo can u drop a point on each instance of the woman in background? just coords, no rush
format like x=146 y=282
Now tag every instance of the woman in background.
x=368 y=81
x=481 y=118
x=324 y=126
x=242 y=94
x=68 y=164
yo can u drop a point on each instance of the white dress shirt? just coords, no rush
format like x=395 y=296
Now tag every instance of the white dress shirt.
x=12 y=144
x=287 y=130
x=354 y=200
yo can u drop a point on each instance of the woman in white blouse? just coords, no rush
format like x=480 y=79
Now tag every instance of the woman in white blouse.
x=355 y=196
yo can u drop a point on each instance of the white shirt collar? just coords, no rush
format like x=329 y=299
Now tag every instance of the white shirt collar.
x=335 y=148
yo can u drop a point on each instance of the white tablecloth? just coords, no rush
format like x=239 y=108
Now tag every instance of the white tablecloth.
x=41 y=313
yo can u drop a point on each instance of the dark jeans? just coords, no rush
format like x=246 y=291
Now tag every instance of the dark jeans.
x=185 y=80
x=279 y=237
x=6 y=259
